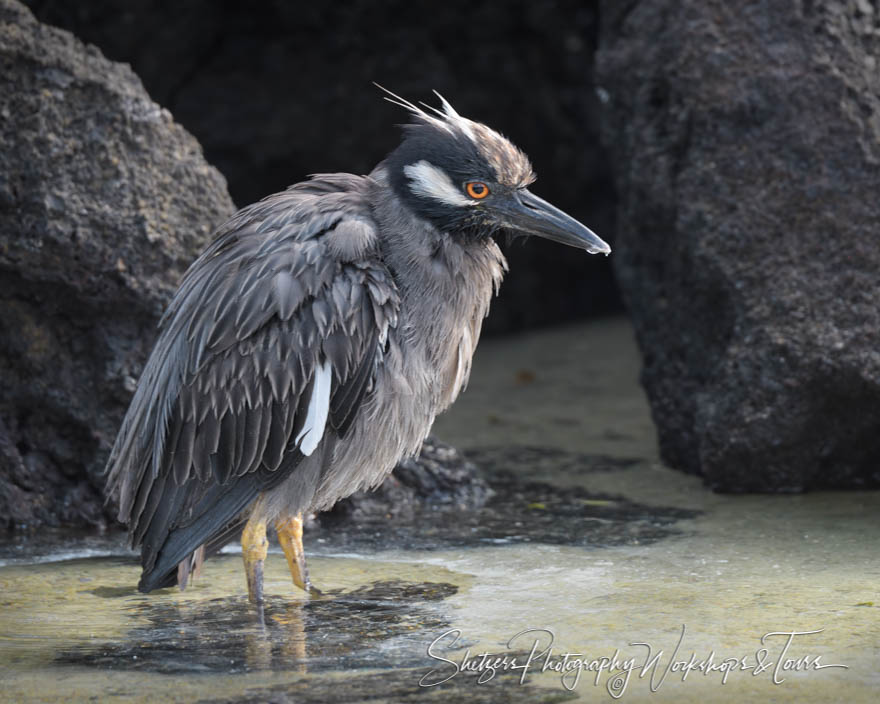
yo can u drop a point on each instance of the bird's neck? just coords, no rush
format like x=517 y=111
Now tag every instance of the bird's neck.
x=451 y=265
x=446 y=281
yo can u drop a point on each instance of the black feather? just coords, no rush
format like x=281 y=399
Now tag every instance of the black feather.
x=347 y=399
x=149 y=497
x=166 y=512
x=276 y=443
x=251 y=449
x=184 y=451
x=225 y=465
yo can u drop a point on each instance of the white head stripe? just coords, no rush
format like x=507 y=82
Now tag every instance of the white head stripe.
x=428 y=180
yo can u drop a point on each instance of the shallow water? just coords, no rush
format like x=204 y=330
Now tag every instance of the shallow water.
x=588 y=538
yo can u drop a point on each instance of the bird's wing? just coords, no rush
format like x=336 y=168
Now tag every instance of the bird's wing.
x=267 y=347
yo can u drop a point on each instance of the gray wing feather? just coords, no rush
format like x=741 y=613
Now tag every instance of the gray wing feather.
x=224 y=391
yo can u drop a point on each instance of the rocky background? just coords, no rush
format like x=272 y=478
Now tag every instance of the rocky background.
x=731 y=157
x=746 y=149
x=104 y=202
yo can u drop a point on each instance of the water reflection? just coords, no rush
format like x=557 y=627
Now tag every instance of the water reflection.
x=340 y=630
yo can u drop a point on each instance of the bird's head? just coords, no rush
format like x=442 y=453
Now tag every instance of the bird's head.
x=466 y=178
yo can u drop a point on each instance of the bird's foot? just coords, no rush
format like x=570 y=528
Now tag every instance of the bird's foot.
x=254 y=547
x=290 y=533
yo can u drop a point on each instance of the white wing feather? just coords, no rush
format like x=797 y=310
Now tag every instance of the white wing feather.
x=319 y=406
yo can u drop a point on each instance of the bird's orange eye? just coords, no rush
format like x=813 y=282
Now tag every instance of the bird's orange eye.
x=476 y=189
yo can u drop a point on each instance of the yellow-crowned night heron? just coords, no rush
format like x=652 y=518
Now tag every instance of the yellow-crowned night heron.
x=311 y=345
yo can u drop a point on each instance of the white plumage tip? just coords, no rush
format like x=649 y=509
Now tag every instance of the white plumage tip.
x=446 y=119
x=319 y=407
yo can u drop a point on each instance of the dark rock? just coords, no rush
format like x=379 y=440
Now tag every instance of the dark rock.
x=104 y=201
x=746 y=147
x=277 y=90
x=502 y=507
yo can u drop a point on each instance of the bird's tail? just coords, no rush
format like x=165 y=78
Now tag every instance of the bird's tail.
x=217 y=517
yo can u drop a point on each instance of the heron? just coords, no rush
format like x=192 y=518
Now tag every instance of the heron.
x=309 y=348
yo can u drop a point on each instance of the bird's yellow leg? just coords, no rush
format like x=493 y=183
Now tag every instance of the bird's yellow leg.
x=254 y=547
x=290 y=535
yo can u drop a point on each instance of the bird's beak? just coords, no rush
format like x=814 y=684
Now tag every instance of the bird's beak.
x=529 y=214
